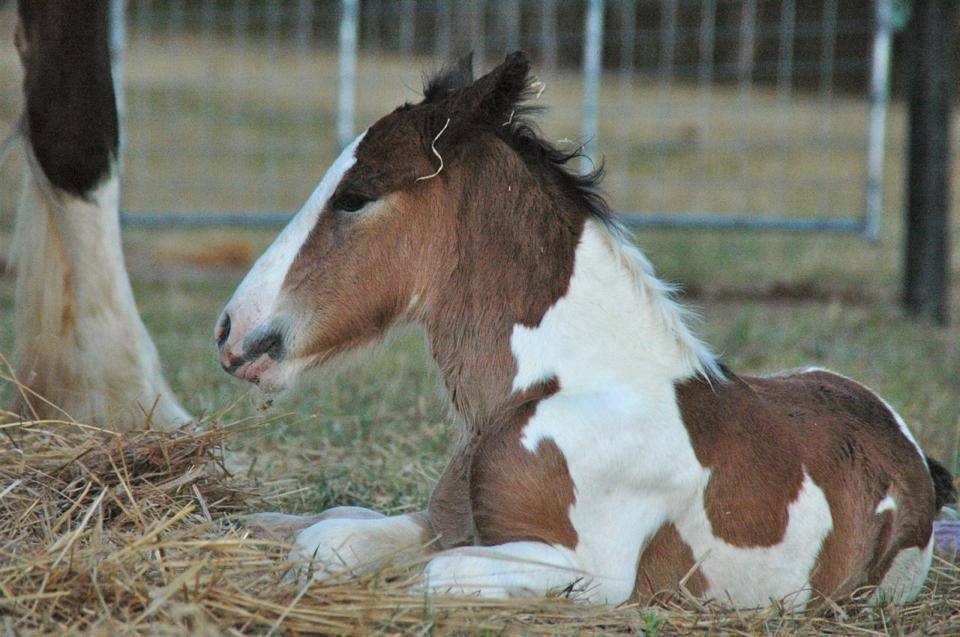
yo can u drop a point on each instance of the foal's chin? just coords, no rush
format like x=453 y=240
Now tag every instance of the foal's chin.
x=281 y=376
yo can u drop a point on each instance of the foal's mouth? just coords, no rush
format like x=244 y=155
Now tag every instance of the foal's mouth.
x=262 y=350
x=250 y=371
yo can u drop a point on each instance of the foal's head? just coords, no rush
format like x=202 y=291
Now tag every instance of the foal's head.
x=431 y=199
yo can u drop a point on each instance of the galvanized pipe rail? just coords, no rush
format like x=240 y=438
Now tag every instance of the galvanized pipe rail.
x=866 y=225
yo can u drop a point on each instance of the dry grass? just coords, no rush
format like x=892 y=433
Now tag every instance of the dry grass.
x=104 y=533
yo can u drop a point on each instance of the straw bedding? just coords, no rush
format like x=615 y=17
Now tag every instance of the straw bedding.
x=108 y=533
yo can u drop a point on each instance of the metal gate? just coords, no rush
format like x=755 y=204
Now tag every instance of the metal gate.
x=752 y=114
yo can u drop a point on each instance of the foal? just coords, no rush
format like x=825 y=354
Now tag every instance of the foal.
x=605 y=448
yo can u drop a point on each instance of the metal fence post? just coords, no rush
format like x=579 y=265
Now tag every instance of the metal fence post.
x=876 y=133
x=346 y=99
x=592 y=67
x=548 y=36
x=926 y=281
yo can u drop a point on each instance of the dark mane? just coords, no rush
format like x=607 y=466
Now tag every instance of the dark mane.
x=513 y=119
x=525 y=138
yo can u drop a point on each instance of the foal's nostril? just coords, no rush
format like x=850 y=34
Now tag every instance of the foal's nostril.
x=269 y=342
x=223 y=330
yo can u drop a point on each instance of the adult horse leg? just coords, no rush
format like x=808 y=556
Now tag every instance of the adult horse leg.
x=79 y=338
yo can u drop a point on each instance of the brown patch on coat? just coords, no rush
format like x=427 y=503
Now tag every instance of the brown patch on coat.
x=758 y=435
x=663 y=565
x=517 y=495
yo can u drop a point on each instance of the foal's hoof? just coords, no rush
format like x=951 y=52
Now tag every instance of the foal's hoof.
x=277 y=526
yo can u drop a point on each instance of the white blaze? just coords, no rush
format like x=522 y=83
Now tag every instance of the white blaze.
x=256 y=296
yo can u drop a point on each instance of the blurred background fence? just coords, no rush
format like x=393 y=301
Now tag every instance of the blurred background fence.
x=729 y=113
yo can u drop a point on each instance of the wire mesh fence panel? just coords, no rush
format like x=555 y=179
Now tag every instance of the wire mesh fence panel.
x=727 y=110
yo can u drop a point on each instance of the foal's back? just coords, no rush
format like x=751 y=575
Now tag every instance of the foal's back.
x=763 y=438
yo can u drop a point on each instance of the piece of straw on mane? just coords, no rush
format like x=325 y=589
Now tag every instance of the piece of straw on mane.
x=433 y=147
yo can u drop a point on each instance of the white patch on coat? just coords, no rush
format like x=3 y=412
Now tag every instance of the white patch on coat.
x=256 y=297
x=633 y=469
x=79 y=336
x=615 y=322
x=886 y=504
x=752 y=577
x=906 y=576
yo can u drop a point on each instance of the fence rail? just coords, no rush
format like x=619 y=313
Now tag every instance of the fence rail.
x=708 y=100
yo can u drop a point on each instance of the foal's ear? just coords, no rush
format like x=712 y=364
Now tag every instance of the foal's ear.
x=498 y=91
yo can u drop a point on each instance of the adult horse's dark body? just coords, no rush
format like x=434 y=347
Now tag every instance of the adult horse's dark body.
x=604 y=444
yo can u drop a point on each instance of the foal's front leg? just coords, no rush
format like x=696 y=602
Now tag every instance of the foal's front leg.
x=348 y=539
x=339 y=545
x=514 y=569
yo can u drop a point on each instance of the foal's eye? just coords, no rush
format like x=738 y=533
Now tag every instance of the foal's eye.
x=350 y=201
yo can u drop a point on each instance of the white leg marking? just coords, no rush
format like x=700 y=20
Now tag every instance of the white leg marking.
x=906 y=576
x=516 y=569
x=348 y=544
x=256 y=296
x=79 y=335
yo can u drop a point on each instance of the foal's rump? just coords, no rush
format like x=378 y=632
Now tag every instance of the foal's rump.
x=815 y=484
x=878 y=483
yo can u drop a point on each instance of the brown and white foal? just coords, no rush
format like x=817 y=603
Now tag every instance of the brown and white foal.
x=605 y=447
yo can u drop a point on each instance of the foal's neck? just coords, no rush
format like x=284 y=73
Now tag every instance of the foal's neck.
x=611 y=325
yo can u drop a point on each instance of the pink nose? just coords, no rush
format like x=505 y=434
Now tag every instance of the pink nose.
x=248 y=355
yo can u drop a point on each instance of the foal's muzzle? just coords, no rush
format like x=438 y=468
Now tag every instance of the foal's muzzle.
x=248 y=356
